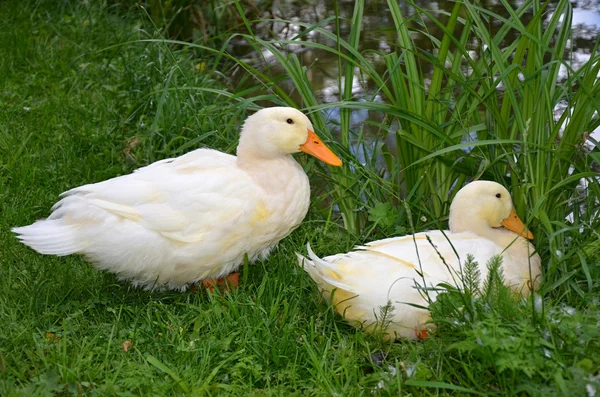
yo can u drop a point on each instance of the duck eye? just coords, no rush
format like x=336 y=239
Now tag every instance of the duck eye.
x=498 y=195
x=290 y=121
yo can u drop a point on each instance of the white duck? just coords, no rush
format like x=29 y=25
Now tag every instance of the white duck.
x=194 y=217
x=482 y=223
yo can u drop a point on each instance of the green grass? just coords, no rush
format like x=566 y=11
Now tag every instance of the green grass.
x=502 y=86
x=84 y=98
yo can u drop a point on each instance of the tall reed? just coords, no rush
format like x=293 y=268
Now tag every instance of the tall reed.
x=503 y=87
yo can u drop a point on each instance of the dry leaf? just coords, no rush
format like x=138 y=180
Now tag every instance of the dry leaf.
x=126 y=345
x=201 y=66
x=51 y=337
x=129 y=146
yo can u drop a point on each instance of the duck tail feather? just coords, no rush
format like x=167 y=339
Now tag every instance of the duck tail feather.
x=325 y=274
x=50 y=237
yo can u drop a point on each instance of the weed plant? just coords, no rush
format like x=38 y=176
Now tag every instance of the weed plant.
x=529 y=111
x=87 y=94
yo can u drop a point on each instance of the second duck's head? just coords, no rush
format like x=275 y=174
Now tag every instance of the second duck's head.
x=483 y=205
x=278 y=131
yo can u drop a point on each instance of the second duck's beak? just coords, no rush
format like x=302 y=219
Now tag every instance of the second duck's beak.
x=315 y=147
x=515 y=224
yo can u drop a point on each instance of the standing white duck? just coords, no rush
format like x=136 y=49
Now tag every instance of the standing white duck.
x=194 y=217
x=483 y=223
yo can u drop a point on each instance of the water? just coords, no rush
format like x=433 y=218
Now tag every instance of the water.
x=379 y=35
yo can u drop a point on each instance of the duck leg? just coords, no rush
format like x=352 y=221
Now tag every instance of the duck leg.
x=422 y=333
x=230 y=282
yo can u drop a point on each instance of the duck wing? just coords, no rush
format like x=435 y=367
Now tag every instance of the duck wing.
x=201 y=197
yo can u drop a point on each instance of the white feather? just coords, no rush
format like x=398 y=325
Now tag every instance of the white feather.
x=181 y=220
x=51 y=237
x=405 y=271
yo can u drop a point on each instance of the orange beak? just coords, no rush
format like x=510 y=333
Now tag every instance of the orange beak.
x=315 y=147
x=515 y=224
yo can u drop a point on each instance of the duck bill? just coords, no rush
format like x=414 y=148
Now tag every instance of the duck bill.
x=315 y=147
x=515 y=224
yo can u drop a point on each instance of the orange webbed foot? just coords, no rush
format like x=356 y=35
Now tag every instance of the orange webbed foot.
x=422 y=333
x=228 y=283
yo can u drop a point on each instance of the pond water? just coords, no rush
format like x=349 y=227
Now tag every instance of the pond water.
x=379 y=34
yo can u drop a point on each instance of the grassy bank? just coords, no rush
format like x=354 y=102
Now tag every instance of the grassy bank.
x=82 y=99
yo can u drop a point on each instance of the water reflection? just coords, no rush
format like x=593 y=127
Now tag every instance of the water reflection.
x=379 y=35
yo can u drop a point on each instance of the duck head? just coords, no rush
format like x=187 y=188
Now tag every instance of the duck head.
x=482 y=206
x=278 y=131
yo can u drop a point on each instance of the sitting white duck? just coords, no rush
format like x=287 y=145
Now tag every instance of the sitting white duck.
x=483 y=223
x=194 y=217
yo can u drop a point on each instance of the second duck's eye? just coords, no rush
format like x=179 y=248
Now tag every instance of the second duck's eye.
x=498 y=195
x=290 y=121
